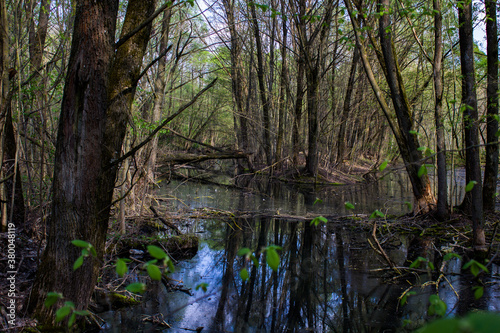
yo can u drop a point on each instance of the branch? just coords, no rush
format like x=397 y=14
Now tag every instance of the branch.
x=163 y=124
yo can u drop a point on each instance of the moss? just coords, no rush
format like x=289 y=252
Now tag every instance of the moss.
x=120 y=301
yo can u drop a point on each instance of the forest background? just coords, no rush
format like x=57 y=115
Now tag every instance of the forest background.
x=89 y=106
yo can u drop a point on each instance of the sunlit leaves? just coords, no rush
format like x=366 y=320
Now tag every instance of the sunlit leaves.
x=154 y=272
x=156 y=252
x=272 y=258
x=64 y=311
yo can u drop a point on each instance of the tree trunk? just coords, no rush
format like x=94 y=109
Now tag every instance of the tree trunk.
x=407 y=142
x=262 y=88
x=442 y=207
x=75 y=211
x=473 y=200
x=346 y=108
x=491 y=166
x=159 y=93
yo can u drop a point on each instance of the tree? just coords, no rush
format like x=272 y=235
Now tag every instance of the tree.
x=441 y=208
x=491 y=166
x=403 y=131
x=473 y=200
x=77 y=185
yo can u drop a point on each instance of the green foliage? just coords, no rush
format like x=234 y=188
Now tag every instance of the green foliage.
x=318 y=219
x=52 y=298
x=383 y=165
x=475 y=267
x=203 y=286
x=419 y=261
x=272 y=258
x=348 y=205
x=377 y=213
x=86 y=249
x=470 y=185
x=68 y=309
x=121 y=266
x=477 y=322
x=136 y=287
x=437 y=306
x=404 y=297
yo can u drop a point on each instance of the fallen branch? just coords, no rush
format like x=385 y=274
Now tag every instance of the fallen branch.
x=165 y=222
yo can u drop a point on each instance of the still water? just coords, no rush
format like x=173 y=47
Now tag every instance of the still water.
x=329 y=278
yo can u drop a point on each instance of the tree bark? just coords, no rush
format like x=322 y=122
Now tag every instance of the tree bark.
x=491 y=166
x=442 y=207
x=77 y=190
x=473 y=200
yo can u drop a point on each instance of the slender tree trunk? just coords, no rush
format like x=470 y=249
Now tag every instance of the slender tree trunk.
x=297 y=115
x=491 y=166
x=159 y=94
x=346 y=108
x=407 y=142
x=262 y=88
x=442 y=207
x=237 y=86
x=280 y=141
x=473 y=201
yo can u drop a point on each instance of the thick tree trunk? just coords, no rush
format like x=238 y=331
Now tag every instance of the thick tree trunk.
x=473 y=201
x=76 y=210
x=442 y=207
x=491 y=166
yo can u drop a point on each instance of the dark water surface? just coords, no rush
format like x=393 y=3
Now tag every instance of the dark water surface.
x=329 y=278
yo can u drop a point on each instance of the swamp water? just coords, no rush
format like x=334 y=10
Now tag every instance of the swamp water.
x=329 y=278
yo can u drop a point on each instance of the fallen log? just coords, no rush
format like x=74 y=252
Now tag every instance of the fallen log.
x=183 y=158
x=165 y=222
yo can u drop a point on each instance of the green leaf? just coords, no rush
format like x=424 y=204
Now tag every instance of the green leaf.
x=383 y=165
x=121 y=267
x=72 y=319
x=156 y=252
x=478 y=292
x=437 y=306
x=348 y=205
x=81 y=243
x=78 y=263
x=136 y=287
x=377 y=213
x=409 y=205
x=92 y=250
x=62 y=313
x=272 y=259
x=170 y=265
x=244 y=251
x=413 y=132
x=422 y=171
x=451 y=255
x=254 y=260
x=318 y=200
x=244 y=274
x=470 y=185
x=52 y=298
x=154 y=272
x=203 y=286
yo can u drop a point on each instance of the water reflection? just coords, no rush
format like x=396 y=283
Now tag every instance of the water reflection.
x=329 y=279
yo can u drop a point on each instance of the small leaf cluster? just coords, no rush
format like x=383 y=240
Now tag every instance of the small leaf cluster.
x=272 y=259
x=68 y=309
x=87 y=249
